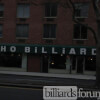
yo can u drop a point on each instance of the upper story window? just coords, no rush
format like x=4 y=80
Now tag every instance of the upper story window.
x=49 y=31
x=1 y=10
x=80 y=32
x=81 y=10
x=23 y=11
x=50 y=10
x=22 y=31
x=1 y=30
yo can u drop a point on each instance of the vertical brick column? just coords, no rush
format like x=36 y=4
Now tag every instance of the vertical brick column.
x=34 y=63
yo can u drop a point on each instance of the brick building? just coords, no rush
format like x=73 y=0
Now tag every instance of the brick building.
x=40 y=36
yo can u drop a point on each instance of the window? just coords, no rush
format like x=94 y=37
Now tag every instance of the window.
x=50 y=10
x=23 y=11
x=81 y=10
x=80 y=32
x=1 y=10
x=49 y=31
x=10 y=60
x=57 y=62
x=90 y=63
x=22 y=31
x=1 y=30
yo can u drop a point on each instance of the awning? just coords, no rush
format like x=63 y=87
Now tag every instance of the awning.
x=48 y=49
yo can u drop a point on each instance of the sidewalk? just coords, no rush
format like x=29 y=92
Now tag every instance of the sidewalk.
x=73 y=76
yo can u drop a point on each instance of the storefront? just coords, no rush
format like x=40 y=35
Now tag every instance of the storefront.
x=48 y=58
x=70 y=64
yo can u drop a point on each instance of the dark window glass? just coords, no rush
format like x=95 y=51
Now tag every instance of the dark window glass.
x=23 y=11
x=77 y=12
x=76 y=31
x=1 y=10
x=74 y=63
x=54 y=10
x=58 y=62
x=50 y=10
x=47 y=10
x=90 y=63
x=1 y=30
x=22 y=30
x=10 y=60
x=80 y=32
x=84 y=32
x=49 y=31
x=81 y=10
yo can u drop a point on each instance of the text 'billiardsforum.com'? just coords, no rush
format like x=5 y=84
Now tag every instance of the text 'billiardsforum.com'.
x=68 y=93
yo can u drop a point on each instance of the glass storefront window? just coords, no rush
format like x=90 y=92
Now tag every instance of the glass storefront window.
x=74 y=63
x=10 y=60
x=58 y=61
x=90 y=63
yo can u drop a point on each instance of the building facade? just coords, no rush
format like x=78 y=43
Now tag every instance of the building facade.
x=40 y=36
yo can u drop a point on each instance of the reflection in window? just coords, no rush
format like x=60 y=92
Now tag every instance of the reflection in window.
x=81 y=10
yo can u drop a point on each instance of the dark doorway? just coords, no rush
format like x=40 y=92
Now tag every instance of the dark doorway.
x=80 y=64
x=45 y=63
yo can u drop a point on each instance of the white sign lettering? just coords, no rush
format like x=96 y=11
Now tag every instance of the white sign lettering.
x=82 y=51
x=72 y=51
x=27 y=49
x=93 y=51
x=43 y=51
x=53 y=51
x=13 y=49
x=3 y=48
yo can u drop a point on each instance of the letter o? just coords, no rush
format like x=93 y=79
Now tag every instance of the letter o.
x=13 y=49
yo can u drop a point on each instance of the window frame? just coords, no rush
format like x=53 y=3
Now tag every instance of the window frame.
x=80 y=34
x=22 y=27
x=23 y=10
x=50 y=31
x=50 y=5
x=2 y=11
x=1 y=35
x=80 y=8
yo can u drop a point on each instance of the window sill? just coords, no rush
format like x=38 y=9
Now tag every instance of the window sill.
x=81 y=17
x=50 y=17
x=22 y=17
x=24 y=38
x=80 y=39
x=49 y=38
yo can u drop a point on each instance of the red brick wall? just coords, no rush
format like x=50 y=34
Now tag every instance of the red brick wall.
x=33 y=63
x=64 y=35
